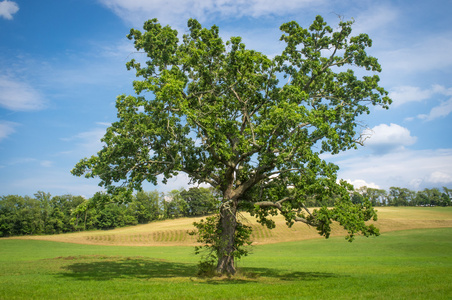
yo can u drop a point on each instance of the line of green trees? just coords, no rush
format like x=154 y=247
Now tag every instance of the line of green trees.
x=397 y=196
x=44 y=214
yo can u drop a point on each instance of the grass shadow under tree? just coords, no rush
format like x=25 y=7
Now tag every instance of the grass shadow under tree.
x=103 y=268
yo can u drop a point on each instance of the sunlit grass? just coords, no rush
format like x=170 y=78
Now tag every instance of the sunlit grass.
x=412 y=264
x=407 y=264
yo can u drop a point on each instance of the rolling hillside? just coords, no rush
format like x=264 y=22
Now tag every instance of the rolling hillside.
x=175 y=232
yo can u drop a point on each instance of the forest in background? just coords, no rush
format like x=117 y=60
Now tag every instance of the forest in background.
x=44 y=214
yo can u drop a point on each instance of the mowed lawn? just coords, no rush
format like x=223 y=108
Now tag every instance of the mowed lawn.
x=405 y=264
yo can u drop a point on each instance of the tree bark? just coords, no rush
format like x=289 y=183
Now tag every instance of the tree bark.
x=228 y=225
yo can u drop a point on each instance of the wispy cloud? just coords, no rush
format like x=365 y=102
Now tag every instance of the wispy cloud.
x=430 y=53
x=405 y=94
x=375 y=18
x=87 y=143
x=7 y=128
x=47 y=163
x=104 y=124
x=8 y=9
x=440 y=111
x=19 y=96
x=55 y=181
x=27 y=162
x=176 y=11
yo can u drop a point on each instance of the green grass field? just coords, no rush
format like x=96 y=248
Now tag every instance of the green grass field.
x=408 y=264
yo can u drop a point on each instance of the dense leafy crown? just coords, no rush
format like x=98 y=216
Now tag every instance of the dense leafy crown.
x=249 y=125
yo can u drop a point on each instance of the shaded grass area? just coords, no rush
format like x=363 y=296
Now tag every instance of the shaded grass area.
x=110 y=267
x=413 y=264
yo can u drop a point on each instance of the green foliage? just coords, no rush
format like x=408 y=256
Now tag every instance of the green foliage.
x=20 y=216
x=230 y=98
x=250 y=126
x=200 y=201
x=433 y=197
x=208 y=233
x=397 y=196
x=146 y=206
x=174 y=205
x=45 y=214
x=400 y=196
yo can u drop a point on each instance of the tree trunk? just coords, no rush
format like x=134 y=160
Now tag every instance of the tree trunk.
x=228 y=225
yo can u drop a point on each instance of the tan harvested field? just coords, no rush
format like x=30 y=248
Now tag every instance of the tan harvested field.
x=175 y=232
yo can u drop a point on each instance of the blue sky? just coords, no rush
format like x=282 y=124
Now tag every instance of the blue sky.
x=62 y=64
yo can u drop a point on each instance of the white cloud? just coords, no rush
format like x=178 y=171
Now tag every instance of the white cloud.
x=440 y=177
x=405 y=94
x=357 y=183
x=388 y=138
x=8 y=9
x=442 y=110
x=405 y=168
x=6 y=129
x=19 y=96
x=177 y=11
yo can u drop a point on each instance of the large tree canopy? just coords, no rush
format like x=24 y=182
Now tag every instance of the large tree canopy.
x=250 y=126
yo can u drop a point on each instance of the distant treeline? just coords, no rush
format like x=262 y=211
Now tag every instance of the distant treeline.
x=44 y=214
x=397 y=196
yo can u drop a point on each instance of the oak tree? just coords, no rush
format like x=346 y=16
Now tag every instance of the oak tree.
x=249 y=125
